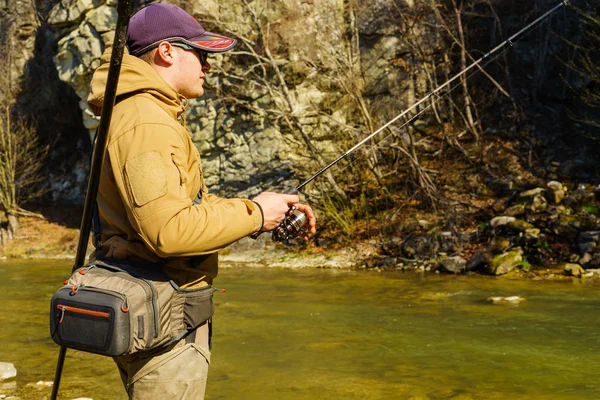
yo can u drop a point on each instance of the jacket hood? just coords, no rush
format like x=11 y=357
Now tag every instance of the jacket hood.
x=136 y=76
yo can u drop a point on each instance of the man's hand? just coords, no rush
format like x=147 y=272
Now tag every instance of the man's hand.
x=276 y=205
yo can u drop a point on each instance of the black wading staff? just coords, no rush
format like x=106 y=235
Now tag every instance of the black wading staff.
x=125 y=10
x=293 y=224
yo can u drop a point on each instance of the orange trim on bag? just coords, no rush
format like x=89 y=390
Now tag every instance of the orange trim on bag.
x=78 y=310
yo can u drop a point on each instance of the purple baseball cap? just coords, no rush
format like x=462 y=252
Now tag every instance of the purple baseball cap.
x=166 y=22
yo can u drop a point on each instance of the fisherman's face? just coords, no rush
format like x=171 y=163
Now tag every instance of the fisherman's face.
x=192 y=73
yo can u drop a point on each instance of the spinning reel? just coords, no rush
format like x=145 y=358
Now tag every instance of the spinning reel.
x=294 y=224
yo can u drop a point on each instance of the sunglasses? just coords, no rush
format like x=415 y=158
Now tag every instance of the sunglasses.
x=203 y=55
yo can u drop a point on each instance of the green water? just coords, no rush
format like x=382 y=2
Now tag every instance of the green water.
x=336 y=334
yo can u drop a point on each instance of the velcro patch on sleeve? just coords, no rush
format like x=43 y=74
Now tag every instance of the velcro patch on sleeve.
x=147 y=177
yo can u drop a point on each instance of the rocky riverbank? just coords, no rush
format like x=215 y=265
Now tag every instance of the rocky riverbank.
x=547 y=231
x=550 y=231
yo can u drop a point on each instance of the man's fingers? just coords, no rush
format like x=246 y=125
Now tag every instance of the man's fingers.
x=312 y=220
x=291 y=199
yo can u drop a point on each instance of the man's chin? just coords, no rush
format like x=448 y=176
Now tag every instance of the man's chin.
x=195 y=94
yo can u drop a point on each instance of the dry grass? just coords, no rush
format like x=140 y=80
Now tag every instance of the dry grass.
x=54 y=237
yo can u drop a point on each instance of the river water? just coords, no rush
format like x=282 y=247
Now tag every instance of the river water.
x=339 y=334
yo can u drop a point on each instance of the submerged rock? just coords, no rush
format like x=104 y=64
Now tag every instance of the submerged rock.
x=505 y=300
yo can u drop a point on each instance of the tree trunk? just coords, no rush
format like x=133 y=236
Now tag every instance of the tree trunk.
x=13 y=225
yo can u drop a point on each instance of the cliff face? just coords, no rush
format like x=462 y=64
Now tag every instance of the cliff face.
x=308 y=80
x=255 y=129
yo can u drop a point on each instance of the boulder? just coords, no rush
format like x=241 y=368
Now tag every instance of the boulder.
x=504 y=263
x=453 y=264
x=478 y=261
x=571 y=269
x=593 y=262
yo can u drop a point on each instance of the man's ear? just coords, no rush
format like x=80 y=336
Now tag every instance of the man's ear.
x=165 y=53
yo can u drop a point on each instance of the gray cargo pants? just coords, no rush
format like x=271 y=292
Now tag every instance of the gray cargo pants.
x=179 y=373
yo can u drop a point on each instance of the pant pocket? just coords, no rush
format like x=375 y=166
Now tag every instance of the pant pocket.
x=178 y=374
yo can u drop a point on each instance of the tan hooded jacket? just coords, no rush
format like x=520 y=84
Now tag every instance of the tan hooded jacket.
x=150 y=176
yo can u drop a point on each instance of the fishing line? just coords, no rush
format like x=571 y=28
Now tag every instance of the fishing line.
x=501 y=48
x=397 y=130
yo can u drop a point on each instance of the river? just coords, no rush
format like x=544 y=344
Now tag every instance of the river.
x=341 y=334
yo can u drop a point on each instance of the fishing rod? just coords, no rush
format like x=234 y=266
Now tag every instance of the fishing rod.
x=295 y=221
x=125 y=11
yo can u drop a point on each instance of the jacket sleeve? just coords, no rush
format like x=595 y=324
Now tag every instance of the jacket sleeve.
x=158 y=207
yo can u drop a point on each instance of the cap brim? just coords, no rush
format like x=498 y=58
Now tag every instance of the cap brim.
x=212 y=43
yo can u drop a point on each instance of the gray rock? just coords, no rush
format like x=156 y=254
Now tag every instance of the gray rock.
x=593 y=262
x=453 y=264
x=7 y=370
x=592 y=236
x=587 y=247
x=501 y=221
x=504 y=263
x=478 y=261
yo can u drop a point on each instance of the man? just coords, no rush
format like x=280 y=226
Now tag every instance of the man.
x=153 y=205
